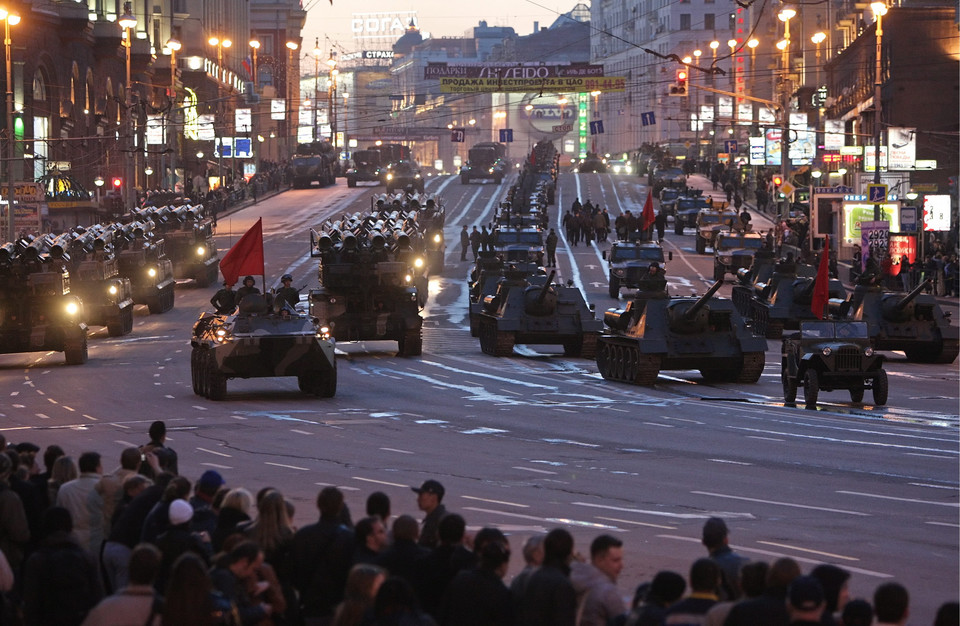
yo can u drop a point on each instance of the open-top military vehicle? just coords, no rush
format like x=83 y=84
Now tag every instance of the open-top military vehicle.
x=686 y=208
x=261 y=341
x=657 y=332
x=628 y=263
x=912 y=322
x=827 y=355
x=38 y=312
x=734 y=251
x=485 y=277
x=710 y=223
x=529 y=309
x=519 y=244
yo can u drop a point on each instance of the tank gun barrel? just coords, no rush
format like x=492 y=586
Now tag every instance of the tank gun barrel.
x=702 y=302
x=546 y=287
x=907 y=299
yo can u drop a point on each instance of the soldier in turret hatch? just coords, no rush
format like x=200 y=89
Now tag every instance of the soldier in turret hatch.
x=225 y=300
x=249 y=287
x=287 y=294
x=655 y=279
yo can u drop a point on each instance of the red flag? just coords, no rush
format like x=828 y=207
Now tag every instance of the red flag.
x=647 y=217
x=246 y=256
x=821 y=288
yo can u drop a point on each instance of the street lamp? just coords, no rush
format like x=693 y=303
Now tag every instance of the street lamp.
x=817 y=39
x=255 y=44
x=879 y=10
x=9 y=19
x=785 y=15
x=346 y=120
x=173 y=45
x=316 y=87
x=220 y=45
x=127 y=22
x=292 y=47
x=332 y=113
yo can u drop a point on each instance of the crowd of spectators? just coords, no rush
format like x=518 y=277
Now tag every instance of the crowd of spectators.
x=143 y=545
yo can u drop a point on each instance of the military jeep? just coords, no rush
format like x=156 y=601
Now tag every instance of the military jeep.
x=733 y=251
x=710 y=223
x=830 y=355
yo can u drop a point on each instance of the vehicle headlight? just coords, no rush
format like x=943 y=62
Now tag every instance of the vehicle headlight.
x=437 y=238
x=408 y=278
x=325 y=330
x=490 y=170
x=726 y=259
x=201 y=250
x=417 y=176
x=627 y=168
x=827 y=351
x=152 y=272
x=72 y=308
x=112 y=290
x=868 y=351
x=619 y=273
x=389 y=176
x=418 y=263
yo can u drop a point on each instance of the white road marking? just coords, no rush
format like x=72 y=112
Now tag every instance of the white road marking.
x=704 y=515
x=635 y=523
x=42 y=416
x=952 y=505
x=793 y=547
x=943 y=524
x=378 y=482
x=215 y=452
x=536 y=471
x=777 y=503
x=396 y=450
x=950 y=487
x=516 y=504
x=304 y=469
x=730 y=462
x=225 y=467
x=300 y=432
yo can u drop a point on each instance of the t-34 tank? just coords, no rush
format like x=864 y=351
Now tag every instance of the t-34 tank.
x=911 y=322
x=260 y=341
x=788 y=299
x=760 y=271
x=656 y=332
x=526 y=311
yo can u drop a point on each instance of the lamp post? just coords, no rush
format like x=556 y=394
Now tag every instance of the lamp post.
x=879 y=10
x=346 y=121
x=9 y=19
x=127 y=21
x=292 y=47
x=174 y=46
x=255 y=45
x=255 y=113
x=316 y=88
x=817 y=39
x=332 y=113
x=220 y=45
x=714 y=45
x=696 y=105
x=785 y=15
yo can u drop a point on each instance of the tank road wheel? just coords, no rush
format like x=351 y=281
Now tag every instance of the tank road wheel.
x=588 y=346
x=216 y=382
x=604 y=360
x=631 y=358
x=196 y=357
x=495 y=342
x=617 y=363
x=856 y=392
x=881 y=388
x=648 y=370
x=752 y=368
x=789 y=386
x=327 y=385
x=76 y=354
x=410 y=343
x=614 y=287
x=811 y=388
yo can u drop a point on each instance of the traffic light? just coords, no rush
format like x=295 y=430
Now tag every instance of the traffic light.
x=116 y=183
x=777 y=181
x=679 y=86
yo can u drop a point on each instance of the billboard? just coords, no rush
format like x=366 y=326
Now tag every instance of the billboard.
x=936 y=213
x=533 y=85
x=436 y=71
x=901 y=148
x=388 y=26
x=855 y=214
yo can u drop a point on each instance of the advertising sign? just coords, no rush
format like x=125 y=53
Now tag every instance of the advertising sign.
x=154 y=130
x=25 y=191
x=765 y=115
x=757 y=151
x=543 y=117
x=278 y=109
x=936 y=213
x=833 y=137
x=901 y=148
x=772 y=145
x=868 y=158
x=856 y=214
x=873 y=240
x=368 y=26
x=724 y=107
x=205 y=127
x=745 y=113
x=305 y=117
x=803 y=148
x=706 y=113
x=243 y=121
x=534 y=85
x=530 y=71
x=378 y=54
x=900 y=245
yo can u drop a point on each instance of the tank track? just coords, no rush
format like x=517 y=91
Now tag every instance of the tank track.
x=493 y=341
x=625 y=363
x=752 y=368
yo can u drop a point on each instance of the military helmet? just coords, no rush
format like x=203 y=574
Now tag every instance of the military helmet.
x=246 y=278
x=286 y=277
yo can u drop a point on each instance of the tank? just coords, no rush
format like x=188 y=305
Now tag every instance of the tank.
x=144 y=262
x=38 y=311
x=538 y=176
x=484 y=279
x=260 y=341
x=88 y=255
x=787 y=300
x=760 y=271
x=368 y=283
x=913 y=323
x=530 y=310
x=657 y=332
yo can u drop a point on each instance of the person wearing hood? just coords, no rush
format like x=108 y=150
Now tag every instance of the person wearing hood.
x=835 y=581
x=549 y=598
x=596 y=582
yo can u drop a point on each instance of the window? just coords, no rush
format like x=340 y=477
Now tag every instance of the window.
x=709 y=21
x=684 y=21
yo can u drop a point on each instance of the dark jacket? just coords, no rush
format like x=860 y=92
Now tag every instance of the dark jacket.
x=322 y=556
x=430 y=530
x=549 y=599
x=126 y=528
x=401 y=558
x=173 y=543
x=233 y=589
x=770 y=609
x=60 y=583
x=476 y=597
x=435 y=570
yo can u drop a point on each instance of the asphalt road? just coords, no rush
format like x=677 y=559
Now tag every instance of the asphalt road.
x=535 y=440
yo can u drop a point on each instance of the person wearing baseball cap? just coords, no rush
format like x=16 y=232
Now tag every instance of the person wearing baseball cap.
x=429 y=500
x=805 y=601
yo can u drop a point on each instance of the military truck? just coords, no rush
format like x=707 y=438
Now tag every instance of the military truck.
x=710 y=223
x=628 y=263
x=485 y=161
x=657 y=332
x=686 y=208
x=88 y=255
x=734 y=251
x=366 y=167
x=38 y=312
x=187 y=233
x=519 y=244
x=528 y=310
x=260 y=341
x=913 y=323
x=367 y=285
x=313 y=162
x=827 y=355
x=143 y=260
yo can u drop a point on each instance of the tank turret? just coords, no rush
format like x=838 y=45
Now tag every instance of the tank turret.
x=542 y=300
x=688 y=317
x=897 y=308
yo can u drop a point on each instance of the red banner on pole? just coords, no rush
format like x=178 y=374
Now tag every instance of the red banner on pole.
x=246 y=256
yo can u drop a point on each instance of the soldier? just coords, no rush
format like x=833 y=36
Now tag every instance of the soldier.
x=287 y=294
x=225 y=300
x=464 y=243
x=661 y=223
x=475 y=241
x=552 y=248
x=249 y=287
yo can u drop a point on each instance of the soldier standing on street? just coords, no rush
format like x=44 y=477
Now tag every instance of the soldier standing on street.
x=287 y=294
x=661 y=223
x=225 y=300
x=475 y=241
x=552 y=248
x=464 y=243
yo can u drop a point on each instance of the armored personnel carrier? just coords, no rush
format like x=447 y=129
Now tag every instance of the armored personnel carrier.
x=910 y=322
x=88 y=255
x=367 y=287
x=38 y=312
x=628 y=262
x=261 y=342
x=656 y=332
x=188 y=240
x=787 y=299
x=142 y=259
x=526 y=311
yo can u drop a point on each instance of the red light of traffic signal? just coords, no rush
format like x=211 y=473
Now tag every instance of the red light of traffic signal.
x=778 y=180
x=681 y=76
x=117 y=182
